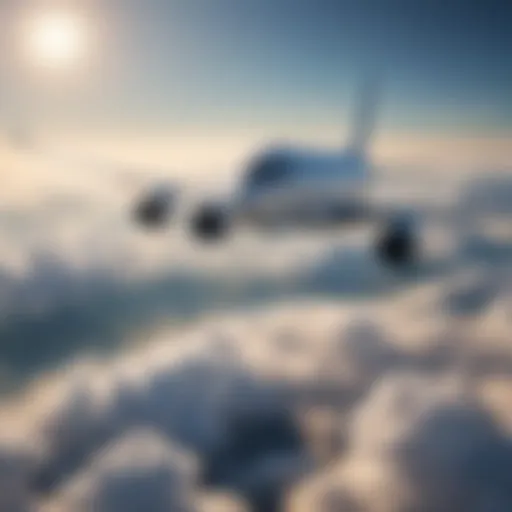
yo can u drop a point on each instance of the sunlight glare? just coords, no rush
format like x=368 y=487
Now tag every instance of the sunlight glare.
x=56 y=40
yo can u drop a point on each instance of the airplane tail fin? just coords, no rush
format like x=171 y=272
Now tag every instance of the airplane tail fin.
x=365 y=115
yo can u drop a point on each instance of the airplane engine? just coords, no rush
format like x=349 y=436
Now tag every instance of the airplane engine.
x=397 y=243
x=210 y=222
x=155 y=209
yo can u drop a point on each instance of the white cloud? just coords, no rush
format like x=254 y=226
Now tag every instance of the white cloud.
x=417 y=443
x=360 y=396
x=143 y=470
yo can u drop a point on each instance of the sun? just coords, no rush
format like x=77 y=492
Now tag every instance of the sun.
x=56 y=40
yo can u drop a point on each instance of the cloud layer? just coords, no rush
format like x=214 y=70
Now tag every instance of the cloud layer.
x=392 y=397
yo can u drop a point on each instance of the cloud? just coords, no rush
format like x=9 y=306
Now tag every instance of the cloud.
x=203 y=398
x=333 y=402
x=417 y=443
x=16 y=462
x=142 y=470
x=392 y=418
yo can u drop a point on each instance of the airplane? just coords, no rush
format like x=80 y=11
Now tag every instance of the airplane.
x=296 y=186
x=292 y=186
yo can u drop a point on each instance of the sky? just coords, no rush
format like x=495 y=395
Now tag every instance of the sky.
x=230 y=64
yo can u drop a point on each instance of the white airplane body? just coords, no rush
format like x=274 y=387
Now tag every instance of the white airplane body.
x=290 y=185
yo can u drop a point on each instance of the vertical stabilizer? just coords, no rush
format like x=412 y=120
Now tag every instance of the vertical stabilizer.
x=365 y=115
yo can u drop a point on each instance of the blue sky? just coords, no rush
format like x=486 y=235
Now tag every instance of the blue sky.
x=446 y=65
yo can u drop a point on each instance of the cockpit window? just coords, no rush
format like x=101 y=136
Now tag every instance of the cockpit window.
x=269 y=170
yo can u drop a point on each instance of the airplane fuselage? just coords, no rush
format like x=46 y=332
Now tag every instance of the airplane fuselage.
x=297 y=186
